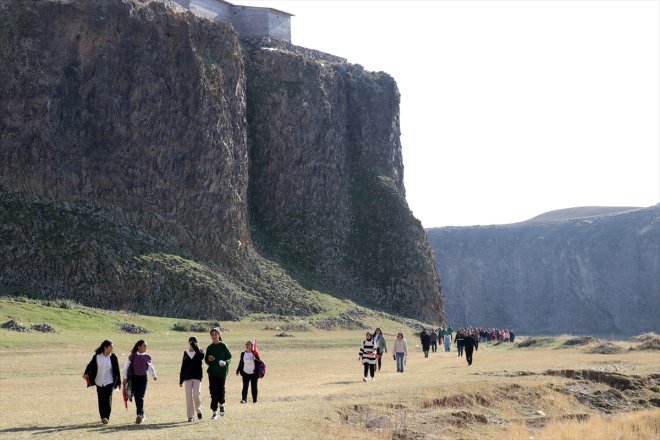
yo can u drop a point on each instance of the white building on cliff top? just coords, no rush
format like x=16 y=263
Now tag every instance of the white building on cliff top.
x=248 y=21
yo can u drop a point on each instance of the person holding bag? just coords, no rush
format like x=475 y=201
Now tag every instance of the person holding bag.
x=247 y=368
x=140 y=364
x=103 y=372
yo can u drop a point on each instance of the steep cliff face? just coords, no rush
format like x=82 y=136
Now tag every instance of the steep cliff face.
x=132 y=110
x=326 y=188
x=593 y=275
x=127 y=179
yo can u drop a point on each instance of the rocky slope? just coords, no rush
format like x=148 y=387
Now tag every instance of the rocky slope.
x=595 y=275
x=150 y=160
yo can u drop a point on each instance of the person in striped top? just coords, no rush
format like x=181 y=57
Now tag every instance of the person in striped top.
x=368 y=357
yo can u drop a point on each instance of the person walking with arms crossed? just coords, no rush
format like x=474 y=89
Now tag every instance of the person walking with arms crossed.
x=218 y=359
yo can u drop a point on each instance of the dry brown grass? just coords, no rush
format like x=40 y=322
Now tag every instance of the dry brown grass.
x=313 y=390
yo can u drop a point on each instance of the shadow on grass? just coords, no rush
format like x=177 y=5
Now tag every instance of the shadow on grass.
x=96 y=427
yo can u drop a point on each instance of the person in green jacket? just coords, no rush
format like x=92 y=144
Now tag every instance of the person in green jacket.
x=218 y=359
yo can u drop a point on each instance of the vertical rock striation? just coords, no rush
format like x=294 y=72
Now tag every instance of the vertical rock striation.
x=127 y=178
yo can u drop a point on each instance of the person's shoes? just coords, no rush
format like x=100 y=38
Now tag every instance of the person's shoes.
x=138 y=419
x=199 y=416
x=364 y=379
x=104 y=421
x=373 y=379
x=222 y=410
x=469 y=365
x=190 y=419
x=243 y=401
x=215 y=415
x=254 y=401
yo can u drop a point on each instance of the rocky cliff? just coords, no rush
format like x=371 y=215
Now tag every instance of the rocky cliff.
x=150 y=160
x=562 y=272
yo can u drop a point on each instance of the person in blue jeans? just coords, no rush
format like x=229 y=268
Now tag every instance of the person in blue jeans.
x=400 y=352
x=139 y=364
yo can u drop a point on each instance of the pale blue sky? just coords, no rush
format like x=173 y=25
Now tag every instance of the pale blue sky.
x=508 y=108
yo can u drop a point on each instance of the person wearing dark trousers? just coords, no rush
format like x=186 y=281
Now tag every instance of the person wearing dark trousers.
x=434 y=341
x=470 y=343
x=381 y=346
x=460 y=338
x=190 y=378
x=103 y=372
x=247 y=368
x=425 y=339
x=218 y=359
x=139 y=363
x=367 y=356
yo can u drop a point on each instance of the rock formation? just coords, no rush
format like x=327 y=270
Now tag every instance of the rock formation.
x=151 y=161
x=563 y=272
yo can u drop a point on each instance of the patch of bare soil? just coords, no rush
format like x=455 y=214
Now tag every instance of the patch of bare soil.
x=579 y=341
x=606 y=348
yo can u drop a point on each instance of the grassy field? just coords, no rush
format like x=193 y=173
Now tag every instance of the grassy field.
x=313 y=387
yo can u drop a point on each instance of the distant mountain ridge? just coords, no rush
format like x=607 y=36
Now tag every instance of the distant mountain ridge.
x=579 y=212
x=598 y=273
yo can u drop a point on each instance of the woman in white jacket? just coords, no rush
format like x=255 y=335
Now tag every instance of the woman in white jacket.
x=400 y=352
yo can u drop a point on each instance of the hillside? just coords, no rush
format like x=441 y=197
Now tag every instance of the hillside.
x=151 y=161
x=599 y=274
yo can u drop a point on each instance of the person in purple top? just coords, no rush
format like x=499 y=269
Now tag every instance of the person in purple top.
x=139 y=363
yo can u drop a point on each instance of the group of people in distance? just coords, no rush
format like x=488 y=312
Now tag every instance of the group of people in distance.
x=103 y=372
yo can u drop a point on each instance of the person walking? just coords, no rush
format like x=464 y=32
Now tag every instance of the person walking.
x=434 y=341
x=190 y=378
x=247 y=368
x=425 y=339
x=381 y=346
x=447 y=342
x=470 y=343
x=460 y=337
x=400 y=352
x=218 y=358
x=139 y=364
x=367 y=356
x=103 y=372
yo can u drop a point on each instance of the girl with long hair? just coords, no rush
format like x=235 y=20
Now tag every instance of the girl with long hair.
x=103 y=372
x=136 y=368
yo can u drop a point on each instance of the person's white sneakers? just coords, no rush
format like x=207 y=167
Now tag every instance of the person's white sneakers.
x=364 y=379
x=373 y=379
x=215 y=415
x=222 y=410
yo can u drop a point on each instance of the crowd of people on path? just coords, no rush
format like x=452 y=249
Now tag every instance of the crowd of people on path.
x=103 y=369
x=103 y=372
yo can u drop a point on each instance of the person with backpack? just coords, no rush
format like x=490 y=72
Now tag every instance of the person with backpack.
x=103 y=372
x=190 y=378
x=218 y=358
x=136 y=369
x=248 y=369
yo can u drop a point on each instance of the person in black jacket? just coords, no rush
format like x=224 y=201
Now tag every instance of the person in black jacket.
x=460 y=342
x=247 y=368
x=103 y=372
x=190 y=378
x=470 y=343
x=425 y=339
